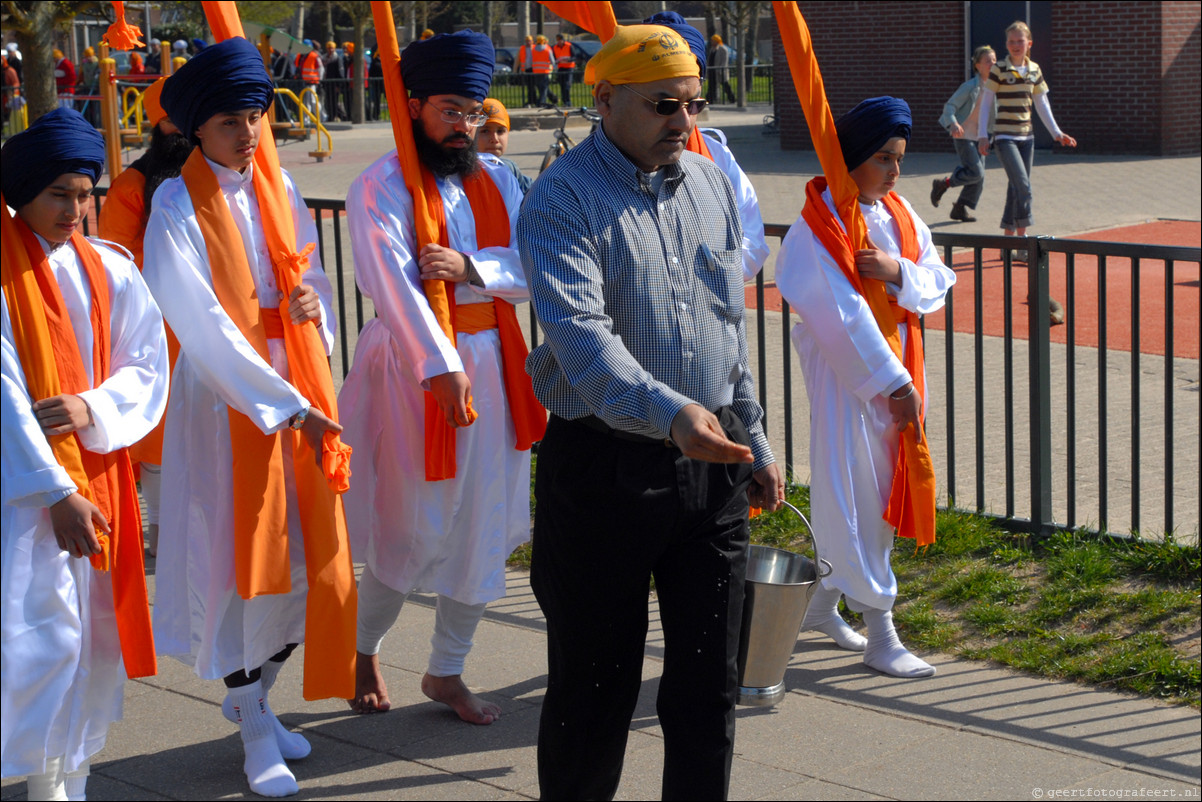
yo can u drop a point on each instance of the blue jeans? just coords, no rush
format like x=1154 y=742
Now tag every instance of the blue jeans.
x=1017 y=157
x=970 y=174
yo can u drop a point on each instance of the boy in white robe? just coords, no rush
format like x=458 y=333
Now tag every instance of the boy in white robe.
x=201 y=614
x=861 y=394
x=63 y=672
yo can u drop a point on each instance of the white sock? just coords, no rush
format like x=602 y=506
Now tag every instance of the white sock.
x=293 y=745
x=265 y=769
x=48 y=786
x=885 y=652
x=822 y=615
x=76 y=782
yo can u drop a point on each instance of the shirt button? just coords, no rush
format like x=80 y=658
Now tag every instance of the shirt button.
x=675 y=261
x=684 y=306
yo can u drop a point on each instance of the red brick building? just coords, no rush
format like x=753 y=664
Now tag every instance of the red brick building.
x=1124 y=77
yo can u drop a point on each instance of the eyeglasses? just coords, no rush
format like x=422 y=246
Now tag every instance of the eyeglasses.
x=473 y=120
x=666 y=107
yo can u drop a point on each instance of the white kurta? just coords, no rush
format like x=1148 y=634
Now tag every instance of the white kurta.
x=450 y=537
x=849 y=368
x=198 y=615
x=755 y=247
x=62 y=676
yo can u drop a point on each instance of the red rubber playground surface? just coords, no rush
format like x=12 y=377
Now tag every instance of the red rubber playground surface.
x=1084 y=318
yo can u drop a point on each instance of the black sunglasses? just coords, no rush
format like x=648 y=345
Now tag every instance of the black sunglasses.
x=666 y=107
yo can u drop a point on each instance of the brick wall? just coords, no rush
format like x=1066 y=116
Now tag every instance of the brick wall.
x=1181 y=66
x=1125 y=75
x=868 y=49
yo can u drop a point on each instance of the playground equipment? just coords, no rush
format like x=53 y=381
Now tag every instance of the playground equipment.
x=301 y=130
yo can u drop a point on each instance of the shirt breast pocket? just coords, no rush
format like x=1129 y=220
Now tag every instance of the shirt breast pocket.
x=722 y=273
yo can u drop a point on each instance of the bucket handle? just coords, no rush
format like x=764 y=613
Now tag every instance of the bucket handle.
x=824 y=567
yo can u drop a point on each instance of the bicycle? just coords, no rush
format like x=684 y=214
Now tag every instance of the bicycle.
x=563 y=141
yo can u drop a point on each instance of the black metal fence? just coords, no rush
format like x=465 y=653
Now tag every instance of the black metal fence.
x=1100 y=438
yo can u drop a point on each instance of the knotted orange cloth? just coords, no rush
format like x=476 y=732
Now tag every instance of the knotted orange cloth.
x=260 y=508
x=49 y=353
x=911 y=506
x=430 y=225
x=121 y=35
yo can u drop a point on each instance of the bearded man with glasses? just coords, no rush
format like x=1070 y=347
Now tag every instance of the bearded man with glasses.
x=655 y=447
x=418 y=524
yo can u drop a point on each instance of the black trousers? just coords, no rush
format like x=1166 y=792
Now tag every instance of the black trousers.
x=611 y=514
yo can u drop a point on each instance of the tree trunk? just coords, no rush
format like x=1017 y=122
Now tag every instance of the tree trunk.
x=329 y=24
x=37 y=74
x=488 y=19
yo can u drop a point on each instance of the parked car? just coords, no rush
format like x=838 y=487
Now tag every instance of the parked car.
x=506 y=59
x=584 y=49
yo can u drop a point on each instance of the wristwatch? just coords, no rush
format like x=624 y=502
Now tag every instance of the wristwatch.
x=298 y=420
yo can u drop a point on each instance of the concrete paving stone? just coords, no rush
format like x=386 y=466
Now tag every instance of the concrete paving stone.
x=505 y=750
x=384 y=776
x=817 y=790
x=973 y=770
x=100 y=786
x=1131 y=784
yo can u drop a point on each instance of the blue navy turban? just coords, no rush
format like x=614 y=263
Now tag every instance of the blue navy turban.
x=670 y=19
x=59 y=142
x=228 y=76
x=865 y=129
x=458 y=63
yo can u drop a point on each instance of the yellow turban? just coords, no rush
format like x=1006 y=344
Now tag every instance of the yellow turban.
x=640 y=54
x=496 y=111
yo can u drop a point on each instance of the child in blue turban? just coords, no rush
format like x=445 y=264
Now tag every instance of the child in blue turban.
x=88 y=380
x=863 y=393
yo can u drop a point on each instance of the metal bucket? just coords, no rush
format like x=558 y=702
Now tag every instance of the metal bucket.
x=778 y=590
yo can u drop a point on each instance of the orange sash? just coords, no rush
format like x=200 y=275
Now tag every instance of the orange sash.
x=49 y=352
x=697 y=144
x=529 y=417
x=911 y=506
x=260 y=508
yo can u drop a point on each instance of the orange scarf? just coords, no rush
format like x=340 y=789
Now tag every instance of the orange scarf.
x=529 y=417
x=911 y=506
x=260 y=508
x=49 y=352
x=697 y=145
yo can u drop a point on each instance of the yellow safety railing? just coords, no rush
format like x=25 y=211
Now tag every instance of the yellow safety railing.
x=310 y=120
x=133 y=109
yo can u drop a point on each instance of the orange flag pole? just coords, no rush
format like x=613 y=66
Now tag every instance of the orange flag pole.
x=594 y=17
x=429 y=227
x=919 y=476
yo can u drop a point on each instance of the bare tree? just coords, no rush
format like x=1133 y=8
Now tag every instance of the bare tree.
x=35 y=25
x=741 y=16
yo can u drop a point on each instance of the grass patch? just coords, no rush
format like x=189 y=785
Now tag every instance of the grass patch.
x=1120 y=614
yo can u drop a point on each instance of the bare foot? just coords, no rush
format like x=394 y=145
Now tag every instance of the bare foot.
x=370 y=694
x=452 y=692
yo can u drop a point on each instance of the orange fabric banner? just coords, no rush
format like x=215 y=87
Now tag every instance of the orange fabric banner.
x=429 y=226
x=49 y=353
x=919 y=476
x=330 y=610
x=594 y=17
x=697 y=145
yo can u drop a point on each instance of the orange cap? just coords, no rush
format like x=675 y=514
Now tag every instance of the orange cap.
x=496 y=111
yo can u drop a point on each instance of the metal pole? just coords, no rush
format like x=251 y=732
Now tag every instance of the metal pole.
x=108 y=115
x=1039 y=357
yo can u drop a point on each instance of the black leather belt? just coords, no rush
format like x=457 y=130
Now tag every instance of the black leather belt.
x=598 y=425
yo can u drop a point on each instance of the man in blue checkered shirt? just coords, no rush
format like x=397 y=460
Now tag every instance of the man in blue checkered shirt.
x=655 y=447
